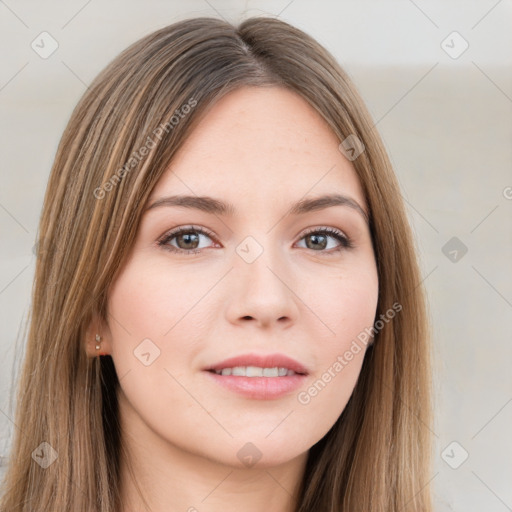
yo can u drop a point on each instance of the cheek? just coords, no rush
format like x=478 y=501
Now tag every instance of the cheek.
x=152 y=303
x=151 y=313
x=347 y=309
x=356 y=306
x=156 y=316
x=344 y=303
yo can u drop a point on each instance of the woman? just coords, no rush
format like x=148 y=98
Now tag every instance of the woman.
x=227 y=310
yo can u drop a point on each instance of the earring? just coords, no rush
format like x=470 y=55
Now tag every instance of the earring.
x=98 y=341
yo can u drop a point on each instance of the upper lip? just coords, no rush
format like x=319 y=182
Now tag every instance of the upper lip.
x=262 y=361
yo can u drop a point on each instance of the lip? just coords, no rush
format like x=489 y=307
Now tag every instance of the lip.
x=259 y=388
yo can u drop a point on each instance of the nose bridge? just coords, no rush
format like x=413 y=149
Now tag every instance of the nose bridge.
x=261 y=288
x=258 y=260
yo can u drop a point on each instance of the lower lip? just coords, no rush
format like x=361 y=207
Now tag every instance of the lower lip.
x=259 y=388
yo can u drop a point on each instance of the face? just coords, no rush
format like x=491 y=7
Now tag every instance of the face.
x=257 y=280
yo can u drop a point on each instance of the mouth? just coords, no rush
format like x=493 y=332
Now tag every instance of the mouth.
x=259 y=365
x=260 y=377
x=256 y=371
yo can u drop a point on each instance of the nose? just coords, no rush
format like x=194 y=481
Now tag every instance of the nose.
x=261 y=292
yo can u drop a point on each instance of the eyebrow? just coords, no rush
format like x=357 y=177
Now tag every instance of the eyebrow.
x=215 y=206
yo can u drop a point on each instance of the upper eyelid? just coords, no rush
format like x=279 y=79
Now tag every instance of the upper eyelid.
x=323 y=228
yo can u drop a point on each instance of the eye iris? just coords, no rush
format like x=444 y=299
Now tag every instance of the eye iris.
x=190 y=237
x=315 y=237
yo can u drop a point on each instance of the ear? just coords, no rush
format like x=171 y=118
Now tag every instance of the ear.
x=98 y=327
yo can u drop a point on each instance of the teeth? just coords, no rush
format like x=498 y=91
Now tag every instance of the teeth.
x=270 y=372
x=256 y=371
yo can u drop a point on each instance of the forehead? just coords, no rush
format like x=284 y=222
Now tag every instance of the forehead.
x=261 y=142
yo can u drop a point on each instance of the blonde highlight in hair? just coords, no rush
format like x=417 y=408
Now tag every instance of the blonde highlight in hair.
x=376 y=457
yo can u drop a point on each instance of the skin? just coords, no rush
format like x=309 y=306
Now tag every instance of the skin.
x=260 y=149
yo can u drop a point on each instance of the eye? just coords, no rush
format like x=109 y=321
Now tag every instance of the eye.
x=317 y=240
x=187 y=239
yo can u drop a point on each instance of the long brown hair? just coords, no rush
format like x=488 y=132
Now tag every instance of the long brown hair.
x=376 y=456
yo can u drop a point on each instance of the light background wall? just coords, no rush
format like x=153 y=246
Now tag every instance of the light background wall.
x=446 y=122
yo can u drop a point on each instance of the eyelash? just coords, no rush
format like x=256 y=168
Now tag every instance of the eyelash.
x=345 y=242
